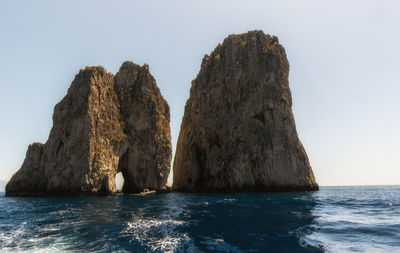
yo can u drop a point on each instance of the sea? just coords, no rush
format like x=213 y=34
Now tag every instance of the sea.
x=333 y=219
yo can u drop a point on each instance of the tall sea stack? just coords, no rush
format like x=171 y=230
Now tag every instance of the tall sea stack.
x=238 y=132
x=94 y=134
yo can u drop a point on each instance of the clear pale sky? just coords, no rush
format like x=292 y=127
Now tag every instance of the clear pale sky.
x=344 y=58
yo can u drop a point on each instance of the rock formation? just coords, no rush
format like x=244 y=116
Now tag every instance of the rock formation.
x=146 y=163
x=95 y=131
x=238 y=132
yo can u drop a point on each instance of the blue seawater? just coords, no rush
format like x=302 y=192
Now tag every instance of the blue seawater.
x=334 y=219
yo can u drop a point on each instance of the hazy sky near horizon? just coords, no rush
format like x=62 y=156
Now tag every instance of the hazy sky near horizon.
x=344 y=68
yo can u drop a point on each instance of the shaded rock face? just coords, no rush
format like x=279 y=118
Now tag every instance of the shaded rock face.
x=238 y=132
x=88 y=140
x=146 y=163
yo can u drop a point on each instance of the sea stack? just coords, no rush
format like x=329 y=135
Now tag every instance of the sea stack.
x=147 y=161
x=238 y=131
x=93 y=134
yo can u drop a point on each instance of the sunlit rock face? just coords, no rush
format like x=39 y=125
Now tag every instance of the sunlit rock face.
x=89 y=139
x=238 y=132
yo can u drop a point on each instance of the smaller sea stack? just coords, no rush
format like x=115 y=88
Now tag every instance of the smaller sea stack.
x=104 y=125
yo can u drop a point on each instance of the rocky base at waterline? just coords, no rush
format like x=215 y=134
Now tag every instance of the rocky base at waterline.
x=238 y=131
x=101 y=127
x=249 y=189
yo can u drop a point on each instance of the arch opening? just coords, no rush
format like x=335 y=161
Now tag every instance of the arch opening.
x=119 y=181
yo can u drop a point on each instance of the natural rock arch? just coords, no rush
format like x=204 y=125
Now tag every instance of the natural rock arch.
x=102 y=122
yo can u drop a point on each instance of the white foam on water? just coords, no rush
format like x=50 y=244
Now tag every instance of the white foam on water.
x=219 y=245
x=14 y=237
x=160 y=235
x=227 y=200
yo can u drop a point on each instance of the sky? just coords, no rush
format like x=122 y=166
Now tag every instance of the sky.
x=344 y=68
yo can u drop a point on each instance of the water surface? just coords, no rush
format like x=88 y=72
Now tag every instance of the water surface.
x=334 y=219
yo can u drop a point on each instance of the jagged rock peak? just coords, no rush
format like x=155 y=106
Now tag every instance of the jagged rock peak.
x=238 y=132
x=92 y=134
